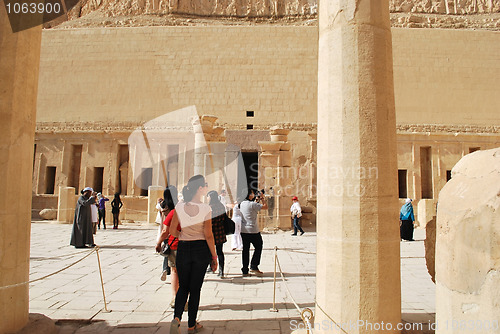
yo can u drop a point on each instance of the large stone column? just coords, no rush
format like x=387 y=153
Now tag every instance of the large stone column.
x=358 y=264
x=19 y=63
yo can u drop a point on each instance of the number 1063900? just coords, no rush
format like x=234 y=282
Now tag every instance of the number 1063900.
x=32 y=8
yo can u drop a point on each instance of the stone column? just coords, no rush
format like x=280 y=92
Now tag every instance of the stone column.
x=20 y=58
x=154 y=192
x=358 y=260
x=66 y=204
x=276 y=162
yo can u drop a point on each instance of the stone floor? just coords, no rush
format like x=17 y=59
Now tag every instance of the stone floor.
x=138 y=300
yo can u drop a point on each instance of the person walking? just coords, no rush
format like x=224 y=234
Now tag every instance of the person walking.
x=406 y=219
x=236 y=241
x=94 y=213
x=168 y=211
x=81 y=235
x=116 y=205
x=296 y=212
x=250 y=233
x=102 y=210
x=218 y=218
x=196 y=249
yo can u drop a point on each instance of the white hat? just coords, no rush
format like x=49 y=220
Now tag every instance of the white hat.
x=408 y=200
x=88 y=189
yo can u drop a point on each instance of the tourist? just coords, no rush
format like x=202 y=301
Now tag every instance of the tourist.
x=250 y=233
x=296 y=212
x=94 y=213
x=218 y=218
x=406 y=219
x=159 y=220
x=102 y=210
x=196 y=249
x=168 y=211
x=223 y=199
x=82 y=223
x=236 y=241
x=116 y=205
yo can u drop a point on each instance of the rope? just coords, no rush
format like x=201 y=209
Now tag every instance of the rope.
x=46 y=276
x=62 y=256
x=336 y=324
x=298 y=251
x=304 y=318
x=302 y=313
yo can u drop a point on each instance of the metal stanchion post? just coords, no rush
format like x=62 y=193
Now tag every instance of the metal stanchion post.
x=274 y=309
x=102 y=282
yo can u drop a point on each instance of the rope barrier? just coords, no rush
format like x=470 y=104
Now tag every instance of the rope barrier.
x=95 y=249
x=49 y=275
x=306 y=314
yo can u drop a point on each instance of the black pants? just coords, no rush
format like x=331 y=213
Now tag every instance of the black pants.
x=256 y=240
x=192 y=260
x=220 y=256
x=102 y=215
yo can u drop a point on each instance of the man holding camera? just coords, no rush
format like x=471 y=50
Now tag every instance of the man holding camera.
x=250 y=233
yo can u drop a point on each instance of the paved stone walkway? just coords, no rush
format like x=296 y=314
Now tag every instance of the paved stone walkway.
x=138 y=300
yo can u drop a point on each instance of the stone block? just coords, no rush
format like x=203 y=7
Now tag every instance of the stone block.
x=285 y=159
x=468 y=244
x=48 y=214
x=426 y=211
x=277 y=138
x=154 y=192
x=268 y=160
x=270 y=145
x=66 y=204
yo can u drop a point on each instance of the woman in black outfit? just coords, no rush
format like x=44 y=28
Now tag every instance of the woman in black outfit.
x=218 y=217
x=116 y=205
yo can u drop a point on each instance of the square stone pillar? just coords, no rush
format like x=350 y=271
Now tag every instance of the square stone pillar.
x=19 y=63
x=358 y=260
x=66 y=204
x=154 y=192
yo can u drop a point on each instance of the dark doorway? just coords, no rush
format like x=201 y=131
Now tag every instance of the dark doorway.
x=50 y=179
x=403 y=193
x=146 y=180
x=98 y=178
x=122 y=171
x=251 y=162
x=74 y=171
x=426 y=171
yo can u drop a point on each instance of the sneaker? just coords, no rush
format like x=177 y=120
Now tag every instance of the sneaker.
x=163 y=276
x=257 y=272
x=301 y=233
x=294 y=235
x=246 y=275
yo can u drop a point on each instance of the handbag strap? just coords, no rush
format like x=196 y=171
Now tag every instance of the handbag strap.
x=170 y=245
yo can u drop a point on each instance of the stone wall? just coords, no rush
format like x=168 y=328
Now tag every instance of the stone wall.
x=137 y=74
x=98 y=85
x=268 y=8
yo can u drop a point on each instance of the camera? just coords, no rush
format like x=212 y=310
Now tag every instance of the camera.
x=259 y=194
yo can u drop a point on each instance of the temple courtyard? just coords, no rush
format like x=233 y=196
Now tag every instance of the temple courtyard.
x=139 y=300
